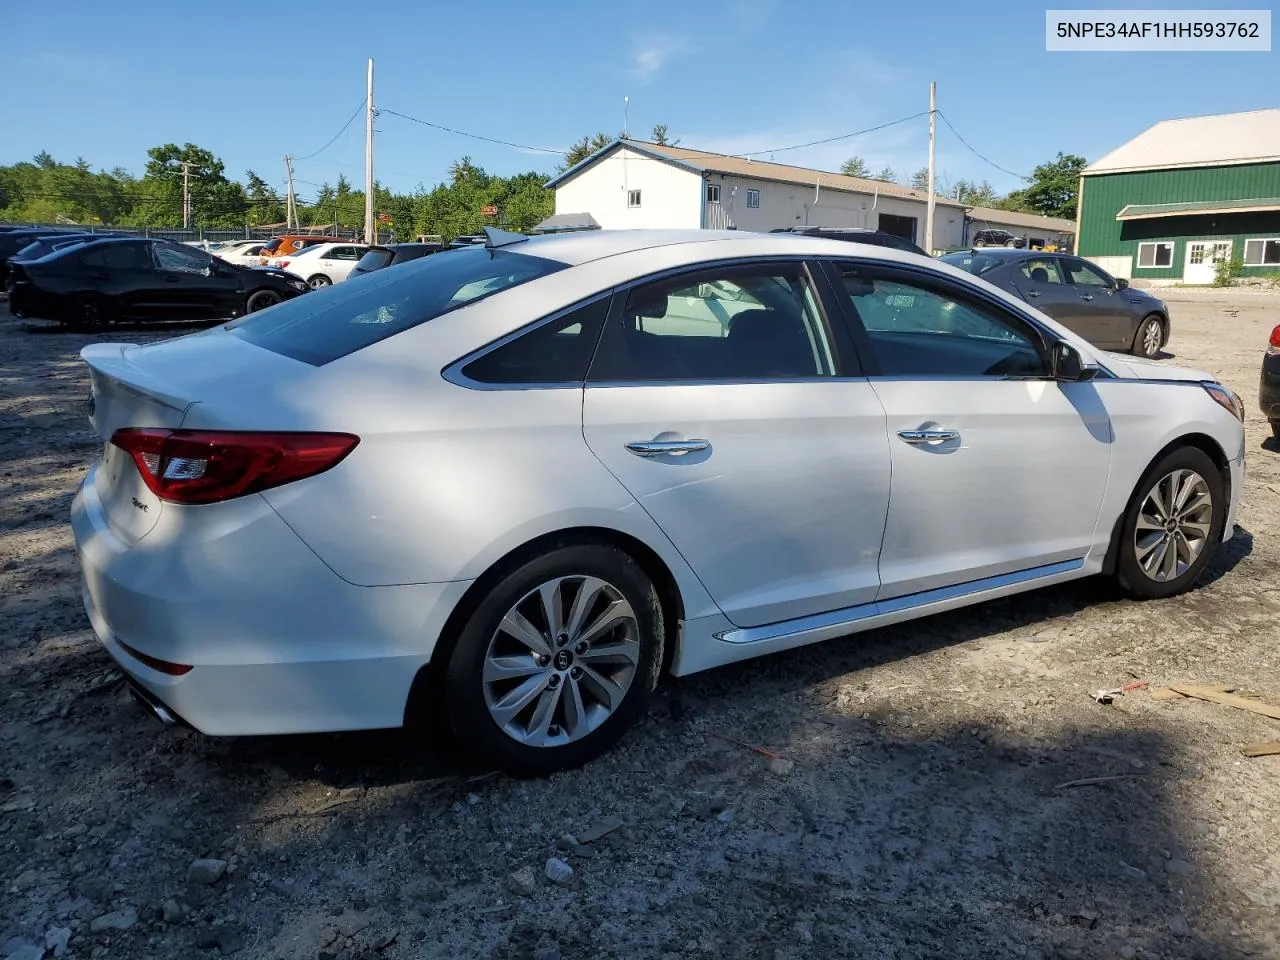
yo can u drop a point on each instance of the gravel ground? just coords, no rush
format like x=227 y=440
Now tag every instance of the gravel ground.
x=897 y=794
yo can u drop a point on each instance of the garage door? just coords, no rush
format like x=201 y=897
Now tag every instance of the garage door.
x=898 y=226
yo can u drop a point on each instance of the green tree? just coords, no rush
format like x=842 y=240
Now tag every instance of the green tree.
x=1053 y=189
x=584 y=148
x=659 y=136
x=855 y=167
x=973 y=194
x=920 y=179
x=887 y=175
x=264 y=203
x=44 y=160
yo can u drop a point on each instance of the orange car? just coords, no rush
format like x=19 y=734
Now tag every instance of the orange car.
x=288 y=243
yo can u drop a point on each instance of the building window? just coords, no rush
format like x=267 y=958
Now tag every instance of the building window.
x=713 y=193
x=633 y=198
x=753 y=198
x=1152 y=256
x=1262 y=253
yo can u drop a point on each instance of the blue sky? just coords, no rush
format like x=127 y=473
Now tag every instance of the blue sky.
x=254 y=81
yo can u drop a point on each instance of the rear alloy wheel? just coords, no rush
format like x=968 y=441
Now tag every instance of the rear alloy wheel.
x=979 y=243
x=557 y=661
x=1149 y=338
x=1011 y=243
x=260 y=300
x=318 y=281
x=1173 y=525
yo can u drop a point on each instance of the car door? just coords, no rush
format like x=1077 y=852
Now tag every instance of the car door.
x=193 y=288
x=734 y=412
x=1041 y=283
x=997 y=468
x=1102 y=312
x=341 y=261
x=124 y=276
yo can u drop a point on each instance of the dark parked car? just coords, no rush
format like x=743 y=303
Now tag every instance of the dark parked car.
x=375 y=258
x=997 y=238
x=56 y=241
x=856 y=235
x=1269 y=390
x=1105 y=311
x=142 y=280
x=11 y=241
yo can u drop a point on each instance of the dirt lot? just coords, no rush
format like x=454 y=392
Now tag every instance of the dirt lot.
x=919 y=808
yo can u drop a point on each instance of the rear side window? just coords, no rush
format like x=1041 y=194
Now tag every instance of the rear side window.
x=756 y=323
x=318 y=328
x=271 y=246
x=556 y=352
x=374 y=260
x=975 y=263
x=116 y=256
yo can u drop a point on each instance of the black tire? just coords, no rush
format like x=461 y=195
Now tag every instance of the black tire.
x=1132 y=578
x=463 y=688
x=979 y=243
x=1147 y=343
x=319 y=281
x=93 y=315
x=1011 y=243
x=260 y=300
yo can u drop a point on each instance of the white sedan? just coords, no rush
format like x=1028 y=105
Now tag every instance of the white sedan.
x=512 y=485
x=245 y=253
x=322 y=264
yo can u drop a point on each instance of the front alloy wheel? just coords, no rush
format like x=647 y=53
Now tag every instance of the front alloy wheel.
x=1150 y=338
x=1173 y=524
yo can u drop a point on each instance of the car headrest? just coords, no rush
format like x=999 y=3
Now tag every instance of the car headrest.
x=1040 y=275
x=652 y=306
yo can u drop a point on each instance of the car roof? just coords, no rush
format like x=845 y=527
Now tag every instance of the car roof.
x=1004 y=252
x=587 y=245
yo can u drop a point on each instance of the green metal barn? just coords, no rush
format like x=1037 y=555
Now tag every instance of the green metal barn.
x=1183 y=196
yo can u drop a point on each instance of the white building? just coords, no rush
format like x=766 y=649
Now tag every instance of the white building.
x=635 y=184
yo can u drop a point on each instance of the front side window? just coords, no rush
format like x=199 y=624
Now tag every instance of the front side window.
x=753 y=198
x=179 y=259
x=1262 y=253
x=633 y=198
x=917 y=331
x=1154 y=255
x=353 y=316
x=554 y=353
x=759 y=323
x=1041 y=271
x=1083 y=274
x=713 y=193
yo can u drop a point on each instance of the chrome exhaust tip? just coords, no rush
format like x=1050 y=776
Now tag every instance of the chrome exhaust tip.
x=153 y=706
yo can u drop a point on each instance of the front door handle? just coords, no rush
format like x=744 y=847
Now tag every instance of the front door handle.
x=1086 y=296
x=1033 y=293
x=929 y=437
x=667 y=448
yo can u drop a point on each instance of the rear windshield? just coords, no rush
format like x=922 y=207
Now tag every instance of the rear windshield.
x=318 y=327
x=374 y=260
x=978 y=263
x=272 y=245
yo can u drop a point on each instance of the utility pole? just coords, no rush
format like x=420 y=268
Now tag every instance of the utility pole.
x=186 y=195
x=290 y=205
x=928 y=226
x=368 y=162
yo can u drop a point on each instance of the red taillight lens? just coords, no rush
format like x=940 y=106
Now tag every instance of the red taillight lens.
x=207 y=466
x=1273 y=348
x=282 y=264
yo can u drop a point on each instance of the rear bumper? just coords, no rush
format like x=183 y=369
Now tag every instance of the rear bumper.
x=277 y=643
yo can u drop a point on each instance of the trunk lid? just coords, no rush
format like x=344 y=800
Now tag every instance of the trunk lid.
x=157 y=385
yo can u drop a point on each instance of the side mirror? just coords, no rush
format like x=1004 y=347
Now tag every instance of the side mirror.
x=1069 y=366
x=1121 y=283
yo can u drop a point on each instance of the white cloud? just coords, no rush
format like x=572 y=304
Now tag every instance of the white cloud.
x=651 y=56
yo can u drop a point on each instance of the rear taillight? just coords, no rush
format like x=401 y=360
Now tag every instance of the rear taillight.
x=282 y=264
x=1273 y=348
x=207 y=466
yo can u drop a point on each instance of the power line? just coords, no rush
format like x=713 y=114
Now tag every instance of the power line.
x=354 y=114
x=1011 y=173
x=843 y=136
x=473 y=136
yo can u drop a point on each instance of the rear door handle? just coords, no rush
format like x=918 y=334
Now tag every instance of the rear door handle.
x=928 y=437
x=667 y=448
x=1086 y=296
x=1033 y=293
